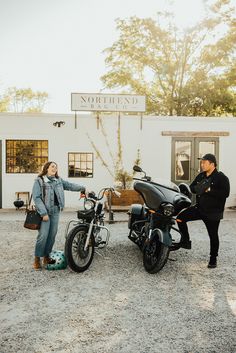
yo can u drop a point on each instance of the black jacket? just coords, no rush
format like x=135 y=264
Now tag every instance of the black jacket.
x=211 y=203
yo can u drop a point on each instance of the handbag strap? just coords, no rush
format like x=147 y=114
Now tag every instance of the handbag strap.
x=30 y=200
x=44 y=192
x=43 y=188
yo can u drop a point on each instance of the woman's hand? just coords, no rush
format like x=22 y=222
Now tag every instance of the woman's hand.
x=45 y=218
x=82 y=193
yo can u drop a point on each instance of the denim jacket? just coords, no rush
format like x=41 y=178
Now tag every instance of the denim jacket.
x=43 y=193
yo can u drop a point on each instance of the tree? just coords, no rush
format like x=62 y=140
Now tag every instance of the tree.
x=21 y=100
x=115 y=166
x=4 y=103
x=172 y=68
x=215 y=81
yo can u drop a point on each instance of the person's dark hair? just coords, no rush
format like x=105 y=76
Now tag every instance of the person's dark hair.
x=209 y=157
x=214 y=163
x=45 y=169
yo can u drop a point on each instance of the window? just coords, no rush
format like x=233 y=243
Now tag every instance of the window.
x=80 y=165
x=185 y=165
x=26 y=156
x=182 y=160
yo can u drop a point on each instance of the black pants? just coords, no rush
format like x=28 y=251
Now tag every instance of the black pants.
x=193 y=214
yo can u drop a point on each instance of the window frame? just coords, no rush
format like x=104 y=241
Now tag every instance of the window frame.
x=80 y=153
x=194 y=162
x=12 y=155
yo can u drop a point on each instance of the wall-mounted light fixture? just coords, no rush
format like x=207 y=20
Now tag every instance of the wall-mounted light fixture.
x=59 y=123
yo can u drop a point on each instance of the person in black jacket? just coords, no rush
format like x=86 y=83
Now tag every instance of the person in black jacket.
x=212 y=188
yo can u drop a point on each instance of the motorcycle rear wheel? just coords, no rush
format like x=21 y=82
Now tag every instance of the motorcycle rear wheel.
x=155 y=255
x=78 y=259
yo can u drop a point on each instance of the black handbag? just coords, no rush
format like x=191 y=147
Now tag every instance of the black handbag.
x=33 y=219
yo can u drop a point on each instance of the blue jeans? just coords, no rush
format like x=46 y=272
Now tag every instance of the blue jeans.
x=47 y=234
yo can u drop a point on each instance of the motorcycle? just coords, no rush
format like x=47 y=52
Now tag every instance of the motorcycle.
x=151 y=224
x=85 y=234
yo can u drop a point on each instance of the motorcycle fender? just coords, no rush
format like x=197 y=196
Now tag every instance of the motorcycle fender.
x=70 y=226
x=163 y=235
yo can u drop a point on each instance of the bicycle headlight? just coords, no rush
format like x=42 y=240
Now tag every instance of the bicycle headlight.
x=168 y=209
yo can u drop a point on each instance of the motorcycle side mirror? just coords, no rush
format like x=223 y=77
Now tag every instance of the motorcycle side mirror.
x=136 y=168
x=185 y=189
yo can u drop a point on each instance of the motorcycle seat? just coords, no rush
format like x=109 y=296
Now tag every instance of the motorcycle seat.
x=86 y=214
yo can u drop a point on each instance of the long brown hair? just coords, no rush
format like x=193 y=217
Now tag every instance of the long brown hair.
x=45 y=169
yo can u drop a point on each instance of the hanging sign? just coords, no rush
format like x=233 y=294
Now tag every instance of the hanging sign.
x=108 y=102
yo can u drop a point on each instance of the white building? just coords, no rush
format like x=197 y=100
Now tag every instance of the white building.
x=169 y=147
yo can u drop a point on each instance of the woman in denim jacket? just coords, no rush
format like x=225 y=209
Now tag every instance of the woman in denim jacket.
x=48 y=195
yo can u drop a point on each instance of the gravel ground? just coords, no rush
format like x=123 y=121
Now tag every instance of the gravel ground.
x=116 y=306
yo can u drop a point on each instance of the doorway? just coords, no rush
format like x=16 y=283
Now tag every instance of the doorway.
x=184 y=164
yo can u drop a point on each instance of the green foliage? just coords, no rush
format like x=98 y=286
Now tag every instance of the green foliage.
x=172 y=67
x=124 y=178
x=23 y=100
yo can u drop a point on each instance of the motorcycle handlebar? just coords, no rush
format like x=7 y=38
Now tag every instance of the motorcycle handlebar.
x=101 y=194
x=108 y=189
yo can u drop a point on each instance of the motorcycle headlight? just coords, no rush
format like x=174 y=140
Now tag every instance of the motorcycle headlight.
x=168 y=209
x=88 y=204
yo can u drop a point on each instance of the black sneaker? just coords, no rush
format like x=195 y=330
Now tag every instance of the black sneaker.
x=186 y=244
x=212 y=263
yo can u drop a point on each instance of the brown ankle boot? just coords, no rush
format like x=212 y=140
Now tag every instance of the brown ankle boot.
x=37 y=264
x=48 y=261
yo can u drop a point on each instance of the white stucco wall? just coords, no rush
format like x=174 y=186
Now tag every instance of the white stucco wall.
x=155 y=148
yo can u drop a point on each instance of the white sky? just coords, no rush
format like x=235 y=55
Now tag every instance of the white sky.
x=56 y=45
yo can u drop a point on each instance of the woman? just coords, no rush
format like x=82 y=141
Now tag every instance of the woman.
x=48 y=195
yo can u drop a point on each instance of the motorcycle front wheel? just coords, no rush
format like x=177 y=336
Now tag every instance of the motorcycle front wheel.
x=79 y=259
x=155 y=255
